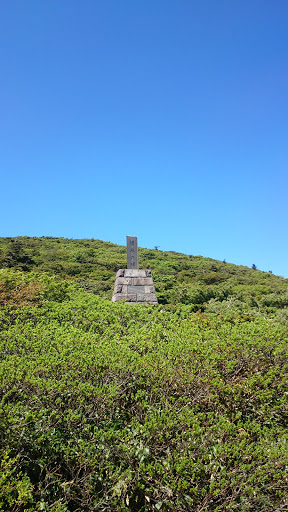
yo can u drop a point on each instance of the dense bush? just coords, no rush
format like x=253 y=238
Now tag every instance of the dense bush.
x=109 y=407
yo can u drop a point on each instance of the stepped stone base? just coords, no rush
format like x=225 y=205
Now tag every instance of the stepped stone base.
x=134 y=285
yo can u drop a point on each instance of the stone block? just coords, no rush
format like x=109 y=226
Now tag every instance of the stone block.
x=132 y=252
x=120 y=272
x=124 y=280
x=134 y=272
x=151 y=297
x=149 y=289
x=135 y=289
x=124 y=296
x=131 y=297
x=120 y=288
x=142 y=281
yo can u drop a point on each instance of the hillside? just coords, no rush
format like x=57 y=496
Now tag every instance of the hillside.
x=108 y=407
x=205 y=283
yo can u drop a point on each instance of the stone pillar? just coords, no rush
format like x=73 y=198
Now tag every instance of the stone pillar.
x=132 y=252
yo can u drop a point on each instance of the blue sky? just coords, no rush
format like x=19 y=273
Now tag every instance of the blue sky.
x=161 y=119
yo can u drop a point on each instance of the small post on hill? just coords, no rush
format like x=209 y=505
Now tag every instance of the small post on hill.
x=134 y=285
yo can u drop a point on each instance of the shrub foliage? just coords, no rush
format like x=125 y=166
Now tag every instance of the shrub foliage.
x=109 y=407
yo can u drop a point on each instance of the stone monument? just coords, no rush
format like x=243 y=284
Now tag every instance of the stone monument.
x=133 y=284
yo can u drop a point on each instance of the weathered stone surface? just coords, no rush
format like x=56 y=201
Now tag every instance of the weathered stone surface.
x=120 y=272
x=135 y=289
x=132 y=252
x=124 y=280
x=142 y=281
x=149 y=289
x=131 y=297
x=135 y=293
x=120 y=288
x=143 y=303
x=130 y=272
x=150 y=297
x=124 y=296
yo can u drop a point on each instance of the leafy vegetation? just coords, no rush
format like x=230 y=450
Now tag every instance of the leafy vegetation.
x=113 y=407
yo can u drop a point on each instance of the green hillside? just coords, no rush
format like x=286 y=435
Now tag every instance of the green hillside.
x=113 y=407
x=179 y=279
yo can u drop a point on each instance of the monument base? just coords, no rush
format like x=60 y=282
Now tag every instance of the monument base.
x=134 y=285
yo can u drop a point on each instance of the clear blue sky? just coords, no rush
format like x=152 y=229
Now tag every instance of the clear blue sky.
x=166 y=120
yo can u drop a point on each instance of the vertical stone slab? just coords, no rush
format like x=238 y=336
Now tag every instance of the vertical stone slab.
x=132 y=252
